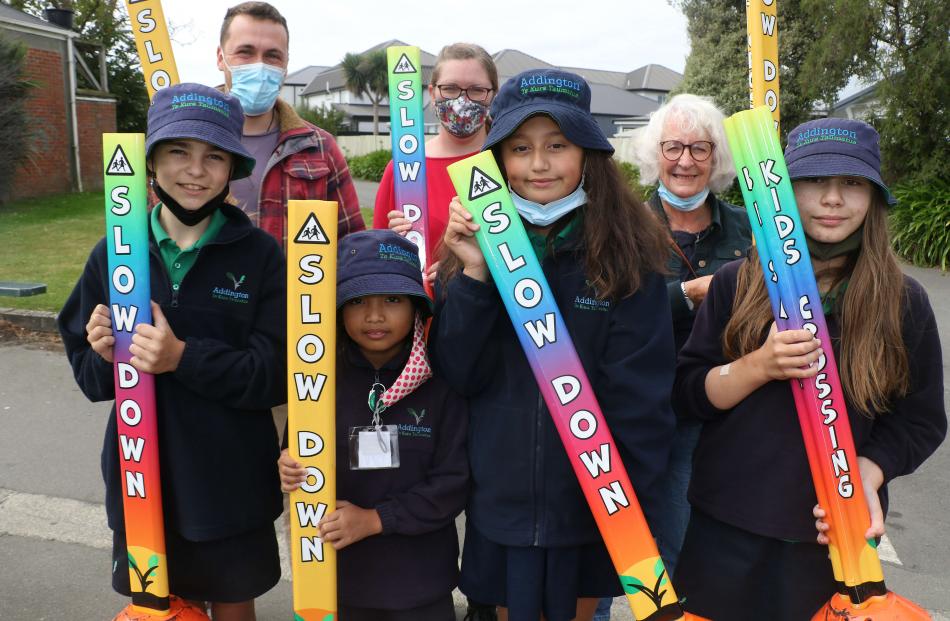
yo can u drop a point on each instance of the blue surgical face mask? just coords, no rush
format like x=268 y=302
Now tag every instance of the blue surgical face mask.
x=683 y=204
x=545 y=215
x=256 y=85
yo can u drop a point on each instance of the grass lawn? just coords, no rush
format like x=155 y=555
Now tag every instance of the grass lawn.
x=48 y=240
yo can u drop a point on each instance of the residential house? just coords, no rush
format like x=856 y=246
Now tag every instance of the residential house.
x=859 y=105
x=328 y=89
x=292 y=89
x=68 y=111
x=619 y=100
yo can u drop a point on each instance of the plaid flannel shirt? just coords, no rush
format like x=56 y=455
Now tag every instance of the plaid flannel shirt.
x=307 y=165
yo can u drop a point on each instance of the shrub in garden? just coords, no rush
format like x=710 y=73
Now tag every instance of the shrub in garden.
x=920 y=222
x=14 y=129
x=369 y=166
x=330 y=120
x=631 y=174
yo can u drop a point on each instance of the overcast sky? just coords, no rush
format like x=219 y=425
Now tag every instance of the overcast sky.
x=619 y=35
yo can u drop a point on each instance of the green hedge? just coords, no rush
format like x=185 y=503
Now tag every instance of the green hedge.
x=631 y=175
x=369 y=166
x=920 y=222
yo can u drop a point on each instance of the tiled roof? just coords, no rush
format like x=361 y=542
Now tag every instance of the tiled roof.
x=303 y=76
x=653 y=78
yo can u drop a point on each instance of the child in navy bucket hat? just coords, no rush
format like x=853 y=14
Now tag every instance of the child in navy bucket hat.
x=531 y=544
x=216 y=349
x=394 y=525
x=734 y=373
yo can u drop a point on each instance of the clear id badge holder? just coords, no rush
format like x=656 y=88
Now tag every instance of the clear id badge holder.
x=375 y=446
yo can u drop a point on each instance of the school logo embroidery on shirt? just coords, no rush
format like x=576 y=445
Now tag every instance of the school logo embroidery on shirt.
x=587 y=300
x=232 y=294
x=584 y=302
x=237 y=281
x=418 y=430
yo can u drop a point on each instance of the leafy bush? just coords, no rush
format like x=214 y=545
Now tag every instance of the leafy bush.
x=631 y=174
x=370 y=166
x=14 y=125
x=732 y=195
x=920 y=222
x=327 y=119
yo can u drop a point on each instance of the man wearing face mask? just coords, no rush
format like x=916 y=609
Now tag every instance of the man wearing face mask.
x=295 y=160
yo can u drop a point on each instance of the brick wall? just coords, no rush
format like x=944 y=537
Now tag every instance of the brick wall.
x=96 y=117
x=49 y=168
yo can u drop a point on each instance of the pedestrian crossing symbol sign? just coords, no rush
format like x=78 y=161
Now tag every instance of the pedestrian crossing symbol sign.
x=312 y=232
x=119 y=164
x=404 y=65
x=481 y=184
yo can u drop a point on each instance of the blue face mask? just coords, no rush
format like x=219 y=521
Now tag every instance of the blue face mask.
x=545 y=215
x=683 y=204
x=256 y=86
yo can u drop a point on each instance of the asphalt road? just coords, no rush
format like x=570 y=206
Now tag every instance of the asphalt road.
x=54 y=545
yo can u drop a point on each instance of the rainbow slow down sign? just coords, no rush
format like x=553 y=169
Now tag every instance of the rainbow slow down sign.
x=565 y=388
x=408 y=144
x=129 y=303
x=790 y=280
x=136 y=415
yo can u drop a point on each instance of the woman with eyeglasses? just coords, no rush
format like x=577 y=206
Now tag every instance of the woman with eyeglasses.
x=683 y=150
x=464 y=81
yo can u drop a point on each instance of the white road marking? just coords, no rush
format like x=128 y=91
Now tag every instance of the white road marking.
x=73 y=521
x=886 y=551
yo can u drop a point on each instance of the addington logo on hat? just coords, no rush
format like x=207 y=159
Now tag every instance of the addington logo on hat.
x=816 y=134
x=392 y=252
x=214 y=104
x=545 y=84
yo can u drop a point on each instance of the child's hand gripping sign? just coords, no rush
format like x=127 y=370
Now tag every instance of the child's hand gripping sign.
x=565 y=388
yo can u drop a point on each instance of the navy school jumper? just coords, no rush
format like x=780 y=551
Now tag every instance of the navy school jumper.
x=217 y=443
x=414 y=561
x=750 y=469
x=524 y=491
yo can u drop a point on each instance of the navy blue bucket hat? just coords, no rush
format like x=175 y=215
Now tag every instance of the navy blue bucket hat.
x=832 y=147
x=201 y=113
x=563 y=96
x=378 y=262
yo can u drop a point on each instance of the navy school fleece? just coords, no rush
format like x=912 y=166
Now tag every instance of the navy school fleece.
x=750 y=469
x=524 y=491
x=217 y=443
x=414 y=561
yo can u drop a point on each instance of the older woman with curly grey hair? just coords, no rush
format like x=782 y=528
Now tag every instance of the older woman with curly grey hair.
x=684 y=151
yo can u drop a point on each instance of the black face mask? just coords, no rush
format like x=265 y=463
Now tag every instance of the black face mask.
x=190 y=217
x=825 y=252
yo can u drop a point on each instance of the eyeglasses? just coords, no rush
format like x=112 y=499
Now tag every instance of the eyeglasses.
x=699 y=150
x=474 y=93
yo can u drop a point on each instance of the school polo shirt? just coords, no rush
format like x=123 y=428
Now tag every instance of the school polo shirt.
x=177 y=261
x=539 y=242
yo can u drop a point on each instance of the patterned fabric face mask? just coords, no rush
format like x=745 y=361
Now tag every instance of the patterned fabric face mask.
x=461 y=116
